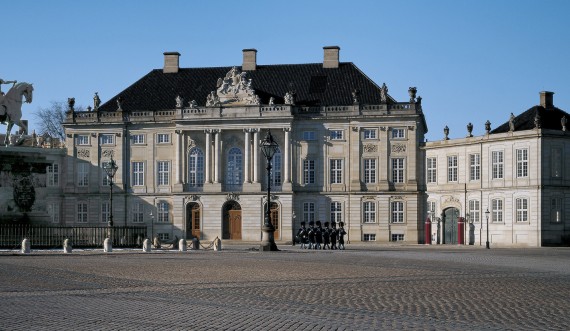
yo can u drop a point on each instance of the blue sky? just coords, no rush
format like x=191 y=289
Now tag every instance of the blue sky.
x=471 y=61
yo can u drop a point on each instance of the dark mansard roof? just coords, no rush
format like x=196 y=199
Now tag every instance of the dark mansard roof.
x=549 y=119
x=313 y=86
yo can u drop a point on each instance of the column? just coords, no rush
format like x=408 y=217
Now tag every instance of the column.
x=177 y=157
x=286 y=162
x=217 y=156
x=208 y=161
x=247 y=157
x=255 y=160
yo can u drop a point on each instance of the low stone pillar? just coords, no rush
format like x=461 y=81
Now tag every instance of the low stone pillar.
x=123 y=241
x=217 y=244
x=67 y=246
x=156 y=241
x=182 y=245
x=26 y=246
x=195 y=243
x=107 y=245
x=146 y=245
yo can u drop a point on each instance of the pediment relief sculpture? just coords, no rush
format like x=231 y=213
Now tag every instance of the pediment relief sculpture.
x=233 y=90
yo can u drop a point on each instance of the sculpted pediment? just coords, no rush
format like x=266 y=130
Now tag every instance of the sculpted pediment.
x=233 y=90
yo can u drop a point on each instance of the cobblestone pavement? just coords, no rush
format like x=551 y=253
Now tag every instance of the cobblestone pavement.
x=363 y=288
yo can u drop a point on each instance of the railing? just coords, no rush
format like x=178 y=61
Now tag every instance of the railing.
x=42 y=236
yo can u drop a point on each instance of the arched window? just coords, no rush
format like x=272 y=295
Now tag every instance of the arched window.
x=234 y=172
x=196 y=167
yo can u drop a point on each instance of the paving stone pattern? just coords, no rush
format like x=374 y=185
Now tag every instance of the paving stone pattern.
x=362 y=288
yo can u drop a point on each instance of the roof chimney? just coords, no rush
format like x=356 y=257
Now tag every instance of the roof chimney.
x=249 y=59
x=331 y=56
x=171 y=62
x=546 y=99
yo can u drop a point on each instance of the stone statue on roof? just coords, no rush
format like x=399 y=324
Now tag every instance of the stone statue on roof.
x=179 y=101
x=563 y=121
x=512 y=122
x=96 y=101
x=212 y=100
x=384 y=93
x=235 y=89
x=537 y=121
x=289 y=99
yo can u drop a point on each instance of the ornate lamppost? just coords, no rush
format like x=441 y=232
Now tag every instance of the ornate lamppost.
x=111 y=169
x=487 y=215
x=268 y=147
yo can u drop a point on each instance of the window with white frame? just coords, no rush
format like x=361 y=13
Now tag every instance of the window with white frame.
x=397 y=237
x=369 y=237
x=452 y=168
x=336 y=212
x=522 y=209
x=337 y=134
x=497 y=161
x=276 y=169
x=397 y=208
x=196 y=167
x=369 y=208
x=82 y=139
x=105 y=211
x=163 y=212
x=138 y=139
x=163 y=236
x=522 y=162
x=82 y=212
x=431 y=210
x=105 y=180
x=497 y=210
x=556 y=210
x=336 y=171
x=107 y=139
x=53 y=175
x=308 y=212
x=398 y=170
x=137 y=212
x=309 y=135
x=83 y=174
x=163 y=138
x=556 y=161
x=474 y=211
x=398 y=133
x=370 y=134
x=53 y=212
x=138 y=173
x=431 y=170
x=308 y=171
x=474 y=166
x=234 y=168
x=163 y=168
x=369 y=171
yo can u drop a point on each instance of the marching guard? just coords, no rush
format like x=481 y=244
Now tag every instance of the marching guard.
x=326 y=236
x=341 y=234
x=311 y=235
x=302 y=235
x=318 y=235
x=333 y=235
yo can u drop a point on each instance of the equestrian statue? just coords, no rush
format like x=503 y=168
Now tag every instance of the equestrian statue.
x=11 y=105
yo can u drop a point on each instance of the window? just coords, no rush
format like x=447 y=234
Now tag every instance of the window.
x=432 y=170
x=398 y=170
x=336 y=171
x=105 y=180
x=53 y=175
x=369 y=237
x=522 y=163
x=497 y=164
x=337 y=134
x=369 y=171
x=369 y=133
x=105 y=212
x=497 y=213
x=474 y=211
x=82 y=212
x=431 y=210
x=309 y=135
x=196 y=167
x=369 y=212
x=107 y=139
x=336 y=212
x=276 y=169
x=137 y=212
x=556 y=210
x=163 y=138
x=163 y=236
x=474 y=167
x=452 y=168
x=163 y=211
x=397 y=212
x=397 y=237
x=138 y=139
x=522 y=209
x=82 y=139
x=163 y=172
x=83 y=174
x=234 y=172
x=308 y=212
x=398 y=133
x=53 y=212
x=308 y=171
x=138 y=173
x=556 y=162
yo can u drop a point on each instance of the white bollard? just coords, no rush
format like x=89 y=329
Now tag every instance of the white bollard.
x=26 y=246
x=67 y=246
x=146 y=245
x=107 y=245
x=217 y=244
x=182 y=245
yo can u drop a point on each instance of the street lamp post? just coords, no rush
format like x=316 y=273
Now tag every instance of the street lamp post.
x=111 y=169
x=268 y=147
x=487 y=215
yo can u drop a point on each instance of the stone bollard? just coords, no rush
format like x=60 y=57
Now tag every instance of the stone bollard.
x=156 y=242
x=146 y=245
x=195 y=243
x=217 y=244
x=26 y=246
x=182 y=245
x=67 y=246
x=123 y=241
x=107 y=245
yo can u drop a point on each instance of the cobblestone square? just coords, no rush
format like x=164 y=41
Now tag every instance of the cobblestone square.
x=366 y=287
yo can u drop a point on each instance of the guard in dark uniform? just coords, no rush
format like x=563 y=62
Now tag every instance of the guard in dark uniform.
x=333 y=235
x=318 y=235
x=327 y=236
x=341 y=234
x=311 y=235
x=302 y=235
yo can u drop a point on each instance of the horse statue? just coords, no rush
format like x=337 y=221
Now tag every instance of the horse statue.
x=11 y=107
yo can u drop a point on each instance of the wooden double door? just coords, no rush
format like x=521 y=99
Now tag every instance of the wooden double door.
x=193 y=212
x=231 y=225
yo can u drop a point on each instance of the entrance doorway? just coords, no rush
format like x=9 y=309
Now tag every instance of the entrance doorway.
x=450 y=230
x=231 y=224
x=193 y=220
x=273 y=217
